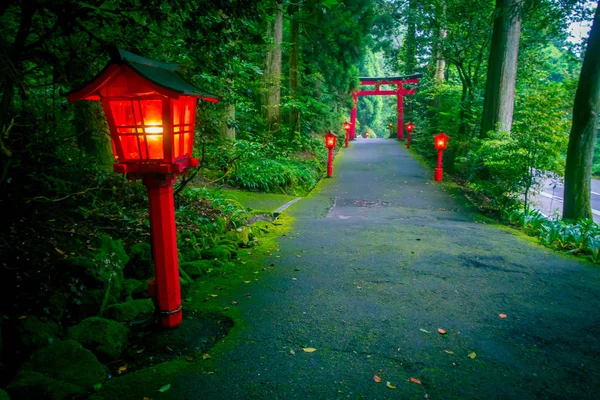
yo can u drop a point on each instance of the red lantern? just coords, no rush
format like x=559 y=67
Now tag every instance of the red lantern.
x=409 y=127
x=330 y=140
x=151 y=111
x=441 y=141
x=366 y=134
x=347 y=127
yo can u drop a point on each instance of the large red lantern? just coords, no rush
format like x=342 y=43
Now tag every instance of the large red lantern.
x=440 y=144
x=151 y=111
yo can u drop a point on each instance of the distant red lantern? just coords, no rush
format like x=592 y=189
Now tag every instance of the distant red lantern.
x=151 y=112
x=440 y=144
x=366 y=134
x=330 y=141
x=409 y=128
x=347 y=127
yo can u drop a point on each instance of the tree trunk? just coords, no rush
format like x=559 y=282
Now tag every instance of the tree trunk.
x=271 y=91
x=227 y=127
x=410 y=42
x=92 y=131
x=578 y=171
x=440 y=62
x=499 y=100
x=294 y=75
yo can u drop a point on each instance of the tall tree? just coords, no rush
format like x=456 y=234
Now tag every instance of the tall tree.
x=578 y=171
x=499 y=99
x=271 y=90
x=293 y=10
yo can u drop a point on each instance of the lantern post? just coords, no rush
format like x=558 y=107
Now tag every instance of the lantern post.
x=330 y=141
x=391 y=125
x=151 y=113
x=409 y=128
x=440 y=143
x=347 y=128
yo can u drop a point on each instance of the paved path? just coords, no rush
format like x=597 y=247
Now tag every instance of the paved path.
x=378 y=259
x=550 y=199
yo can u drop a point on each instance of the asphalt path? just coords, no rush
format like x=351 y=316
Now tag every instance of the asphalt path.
x=378 y=259
x=551 y=196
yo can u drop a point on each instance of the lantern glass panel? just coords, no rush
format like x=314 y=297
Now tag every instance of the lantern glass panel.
x=183 y=112
x=152 y=116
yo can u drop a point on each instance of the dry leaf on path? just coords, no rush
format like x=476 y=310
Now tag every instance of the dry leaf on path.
x=502 y=316
x=472 y=355
x=246 y=281
x=122 y=369
x=189 y=358
x=377 y=379
x=205 y=356
x=415 y=380
x=442 y=331
x=424 y=330
x=309 y=349
x=389 y=385
x=448 y=351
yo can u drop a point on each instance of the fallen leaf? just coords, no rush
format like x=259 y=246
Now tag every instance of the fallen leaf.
x=214 y=295
x=140 y=350
x=448 y=351
x=235 y=303
x=292 y=352
x=472 y=355
x=97 y=386
x=188 y=358
x=165 y=388
x=502 y=316
x=247 y=281
x=359 y=287
x=309 y=349
x=147 y=398
x=389 y=385
x=61 y=252
x=188 y=299
x=293 y=279
x=415 y=380
x=424 y=331
x=23 y=317
x=205 y=356
x=122 y=368
x=442 y=331
x=377 y=379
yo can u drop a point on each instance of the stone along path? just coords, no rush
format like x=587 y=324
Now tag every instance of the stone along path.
x=378 y=259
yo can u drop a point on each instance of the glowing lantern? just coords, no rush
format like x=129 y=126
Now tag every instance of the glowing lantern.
x=330 y=141
x=347 y=127
x=367 y=134
x=440 y=143
x=151 y=111
x=409 y=128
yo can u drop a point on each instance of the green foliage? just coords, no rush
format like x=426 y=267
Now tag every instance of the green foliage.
x=132 y=310
x=580 y=238
x=104 y=337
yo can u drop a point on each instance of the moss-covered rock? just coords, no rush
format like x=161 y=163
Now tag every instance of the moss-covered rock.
x=132 y=310
x=35 y=333
x=34 y=385
x=135 y=289
x=104 y=337
x=196 y=269
x=68 y=361
x=4 y=395
x=140 y=265
x=222 y=253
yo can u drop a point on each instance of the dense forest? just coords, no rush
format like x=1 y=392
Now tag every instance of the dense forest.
x=517 y=95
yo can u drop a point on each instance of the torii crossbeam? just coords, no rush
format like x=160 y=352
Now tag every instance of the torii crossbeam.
x=400 y=91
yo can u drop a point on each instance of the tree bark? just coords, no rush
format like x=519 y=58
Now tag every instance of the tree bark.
x=227 y=128
x=92 y=131
x=578 y=170
x=294 y=74
x=499 y=100
x=410 y=42
x=271 y=91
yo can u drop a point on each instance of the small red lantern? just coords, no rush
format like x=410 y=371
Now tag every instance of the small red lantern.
x=151 y=111
x=409 y=128
x=367 y=134
x=330 y=141
x=347 y=127
x=440 y=143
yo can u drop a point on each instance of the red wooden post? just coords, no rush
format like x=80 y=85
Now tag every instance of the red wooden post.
x=330 y=141
x=347 y=129
x=400 y=117
x=437 y=176
x=330 y=163
x=164 y=247
x=353 y=117
x=409 y=128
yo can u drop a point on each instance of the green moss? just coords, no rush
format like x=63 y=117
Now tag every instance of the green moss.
x=4 y=395
x=132 y=310
x=196 y=269
x=134 y=289
x=68 y=361
x=35 y=333
x=104 y=337
x=256 y=200
x=242 y=236
x=140 y=265
x=34 y=385
x=222 y=253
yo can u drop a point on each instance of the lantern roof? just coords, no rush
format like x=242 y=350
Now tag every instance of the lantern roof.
x=165 y=78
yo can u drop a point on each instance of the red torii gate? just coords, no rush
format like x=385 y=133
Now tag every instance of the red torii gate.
x=400 y=91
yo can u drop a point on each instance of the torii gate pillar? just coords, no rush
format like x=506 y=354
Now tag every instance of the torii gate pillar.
x=400 y=118
x=353 y=117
